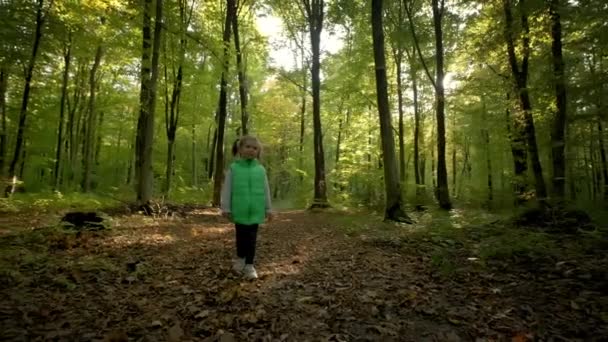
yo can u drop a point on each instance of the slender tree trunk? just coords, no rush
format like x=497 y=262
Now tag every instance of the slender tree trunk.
x=243 y=91
x=212 y=154
x=145 y=123
x=19 y=141
x=304 y=95
x=485 y=136
x=3 y=118
x=558 y=141
x=521 y=85
x=172 y=118
x=315 y=13
x=64 y=93
x=99 y=142
x=418 y=171
x=194 y=166
x=394 y=203
x=89 y=142
x=600 y=130
x=398 y=64
x=443 y=194
x=222 y=106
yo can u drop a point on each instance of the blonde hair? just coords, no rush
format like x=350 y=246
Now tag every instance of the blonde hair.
x=250 y=138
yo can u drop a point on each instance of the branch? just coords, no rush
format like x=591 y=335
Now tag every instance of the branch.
x=417 y=45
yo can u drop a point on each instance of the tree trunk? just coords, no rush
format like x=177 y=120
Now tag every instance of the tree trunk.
x=222 y=106
x=89 y=142
x=172 y=118
x=600 y=130
x=315 y=13
x=3 y=119
x=19 y=141
x=521 y=84
x=194 y=166
x=394 y=206
x=485 y=136
x=443 y=194
x=100 y=136
x=304 y=95
x=145 y=123
x=243 y=91
x=64 y=93
x=212 y=154
x=398 y=64
x=558 y=141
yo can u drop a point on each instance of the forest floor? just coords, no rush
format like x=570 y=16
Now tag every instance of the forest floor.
x=324 y=276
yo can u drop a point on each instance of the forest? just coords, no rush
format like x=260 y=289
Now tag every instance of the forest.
x=437 y=167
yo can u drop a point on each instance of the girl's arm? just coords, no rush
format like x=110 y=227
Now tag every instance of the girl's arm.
x=226 y=196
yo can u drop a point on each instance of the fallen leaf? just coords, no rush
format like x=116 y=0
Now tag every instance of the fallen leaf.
x=175 y=333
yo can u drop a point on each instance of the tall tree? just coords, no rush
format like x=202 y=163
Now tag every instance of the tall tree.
x=243 y=91
x=443 y=194
x=29 y=72
x=147 y=102
x=3 y=119
x=67 y=58
x=524 y=122
x=438 y=7
x=91 y=124
x=393 y=210
x=222 y=105
x=558 y=142
x=314 y=11
x=173 y=114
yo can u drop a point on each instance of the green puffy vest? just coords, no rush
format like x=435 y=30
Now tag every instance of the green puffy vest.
x=248 y=192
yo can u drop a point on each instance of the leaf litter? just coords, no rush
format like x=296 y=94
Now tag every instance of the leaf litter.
x=170 y=280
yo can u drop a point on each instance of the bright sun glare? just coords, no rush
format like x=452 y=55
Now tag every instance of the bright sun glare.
x=281 y=54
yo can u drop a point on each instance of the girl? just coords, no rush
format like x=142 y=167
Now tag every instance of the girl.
x=246 y=201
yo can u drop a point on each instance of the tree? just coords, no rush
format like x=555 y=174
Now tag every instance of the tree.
x=223 y=100
x=29 y=72
x=147 y=103
x=524 y=122
x=442 y=190
x=558 y=141
x=241 y=75
x=393 y=210
x=314 y=12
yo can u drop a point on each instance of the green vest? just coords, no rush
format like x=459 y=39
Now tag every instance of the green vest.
x=248 y=192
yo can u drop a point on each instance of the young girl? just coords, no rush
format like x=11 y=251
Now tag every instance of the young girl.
x=246 y=201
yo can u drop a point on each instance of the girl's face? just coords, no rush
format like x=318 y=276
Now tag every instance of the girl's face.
x=249 y=150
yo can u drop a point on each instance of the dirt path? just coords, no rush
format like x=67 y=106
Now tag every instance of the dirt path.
x=170 y=280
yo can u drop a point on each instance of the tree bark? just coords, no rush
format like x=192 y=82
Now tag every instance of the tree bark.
x=222 y=106
x=558 y=141
x=443 y=194
x=19 y=140
x=172 y=118
x=243 y=89
x=89 y=142
x=3 y=118
x=485 y=136
x=145 y=123
x=314 y=10
x=67 y=56
x=304 y=95
x=394 y=204
x=600 y=129
x=526 y=129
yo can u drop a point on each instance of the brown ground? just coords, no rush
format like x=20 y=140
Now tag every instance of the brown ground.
x=170 y=280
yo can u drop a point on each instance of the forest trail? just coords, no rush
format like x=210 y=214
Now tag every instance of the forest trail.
x=170 y=280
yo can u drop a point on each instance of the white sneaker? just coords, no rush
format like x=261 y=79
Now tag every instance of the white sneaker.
x=250 y=272
x=238 y=264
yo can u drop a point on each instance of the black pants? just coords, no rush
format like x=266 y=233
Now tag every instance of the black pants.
x=246 y=236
